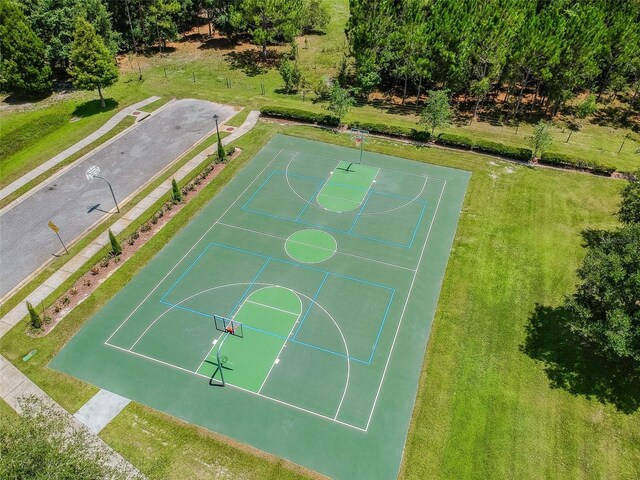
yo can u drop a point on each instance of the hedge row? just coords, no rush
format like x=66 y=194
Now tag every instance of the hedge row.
x=563 y=160
x=393 y=130
x=485 y=146
x=450 y=139
x=301 y=115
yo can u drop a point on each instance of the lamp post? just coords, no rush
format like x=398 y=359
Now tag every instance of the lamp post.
x=221 y=153
x=94 y=172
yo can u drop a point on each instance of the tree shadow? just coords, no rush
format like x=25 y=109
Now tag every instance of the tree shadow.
x=573 y=365
x=251 y=61
x=92 y=107
x=21 y=99
x=219 y=43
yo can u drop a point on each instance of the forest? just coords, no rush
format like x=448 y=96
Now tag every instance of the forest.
x=533 y=56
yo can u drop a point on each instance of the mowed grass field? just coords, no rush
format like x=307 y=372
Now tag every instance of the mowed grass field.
x=485 y=408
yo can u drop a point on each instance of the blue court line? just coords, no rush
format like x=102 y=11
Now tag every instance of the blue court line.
x=357 y=217
x=315 y=194
x=298 y=220
x=246 y=292
x=185 y=272
x=254 y=280
x=311 y=304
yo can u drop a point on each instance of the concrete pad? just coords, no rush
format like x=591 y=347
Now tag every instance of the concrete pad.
x=74 y=264
x=40 y=293
x=3 y=362
x=134 y=213
x=100 y=410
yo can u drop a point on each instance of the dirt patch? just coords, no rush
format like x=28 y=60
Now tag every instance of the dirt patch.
x=87 y=283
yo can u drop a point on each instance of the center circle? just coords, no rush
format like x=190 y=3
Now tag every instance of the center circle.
x=310 y=246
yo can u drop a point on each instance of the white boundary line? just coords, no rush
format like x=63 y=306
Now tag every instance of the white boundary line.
x=281 y=402
x=404 y=308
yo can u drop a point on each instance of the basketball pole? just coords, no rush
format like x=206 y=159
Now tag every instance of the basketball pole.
x=218 y=359
x=361 y=146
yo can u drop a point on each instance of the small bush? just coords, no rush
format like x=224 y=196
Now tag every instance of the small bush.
x=116 y=249
x=145 y=228
x=65 y=301
x=301 y=115
x=73 y=291
x=95 y=271
x=87 y=283
x=393 y=130
x=564 y=160
x=34 y=318
x=176 y=194
x=104 y=263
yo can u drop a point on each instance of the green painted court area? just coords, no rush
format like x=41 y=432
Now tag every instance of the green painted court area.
x=309 y=285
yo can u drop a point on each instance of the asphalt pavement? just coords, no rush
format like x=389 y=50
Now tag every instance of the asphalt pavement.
x=74 y=203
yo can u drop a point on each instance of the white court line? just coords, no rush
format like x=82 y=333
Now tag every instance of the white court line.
x=284 y=343
x=281 y=402
x=194 y=245
x=381 y=168
x=414 y=199
x=404 y=308
x=272 y=307
x=339 y=198
x=213 y=345
x=337 y=251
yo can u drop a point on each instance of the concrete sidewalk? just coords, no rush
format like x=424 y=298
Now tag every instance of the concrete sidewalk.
x=109 y=125
x=14 y=385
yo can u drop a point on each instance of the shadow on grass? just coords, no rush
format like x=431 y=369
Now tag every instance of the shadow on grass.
x=251 y=61
x=92 y=107
x=574 y=366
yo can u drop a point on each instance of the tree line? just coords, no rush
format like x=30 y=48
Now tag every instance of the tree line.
x=37 y=36
x=548 y=50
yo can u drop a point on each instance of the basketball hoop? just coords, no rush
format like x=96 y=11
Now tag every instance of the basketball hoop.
x=358 y=136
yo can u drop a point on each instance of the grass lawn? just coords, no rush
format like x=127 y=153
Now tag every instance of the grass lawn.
x=485 y=408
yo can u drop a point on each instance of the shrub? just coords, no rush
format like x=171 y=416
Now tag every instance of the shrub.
x=34 y=318
x=116 y=249
x=300 y=115
x=176 y=194
x=393 y=130
x=451 y=139
x=564 y=160
x=516 y=153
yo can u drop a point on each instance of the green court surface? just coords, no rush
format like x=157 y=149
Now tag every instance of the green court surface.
x=331 y=268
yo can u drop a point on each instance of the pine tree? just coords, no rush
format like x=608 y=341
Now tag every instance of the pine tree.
x=23 y=67
x=92 y=65
x=34 y=317
x=221 y=153
x=176 y=194
x=116 y=249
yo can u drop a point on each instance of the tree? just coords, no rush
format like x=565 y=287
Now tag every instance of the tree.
x=92 y=65
x=116 y=249
x=437 y=111
x=629 y=212
x=584 y=109
x=24 y=70
x=606 y=304
x=271 y=20
x=291 y=75
x=42 y=443
x=34 y=317
x=316 y=16
x=340 y=101
x=541 y=139
x=176 y=194
x=221 y=153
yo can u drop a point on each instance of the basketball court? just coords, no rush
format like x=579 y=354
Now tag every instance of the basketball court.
x=292 y=313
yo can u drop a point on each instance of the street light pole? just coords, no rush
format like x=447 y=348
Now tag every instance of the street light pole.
x=215 y=117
